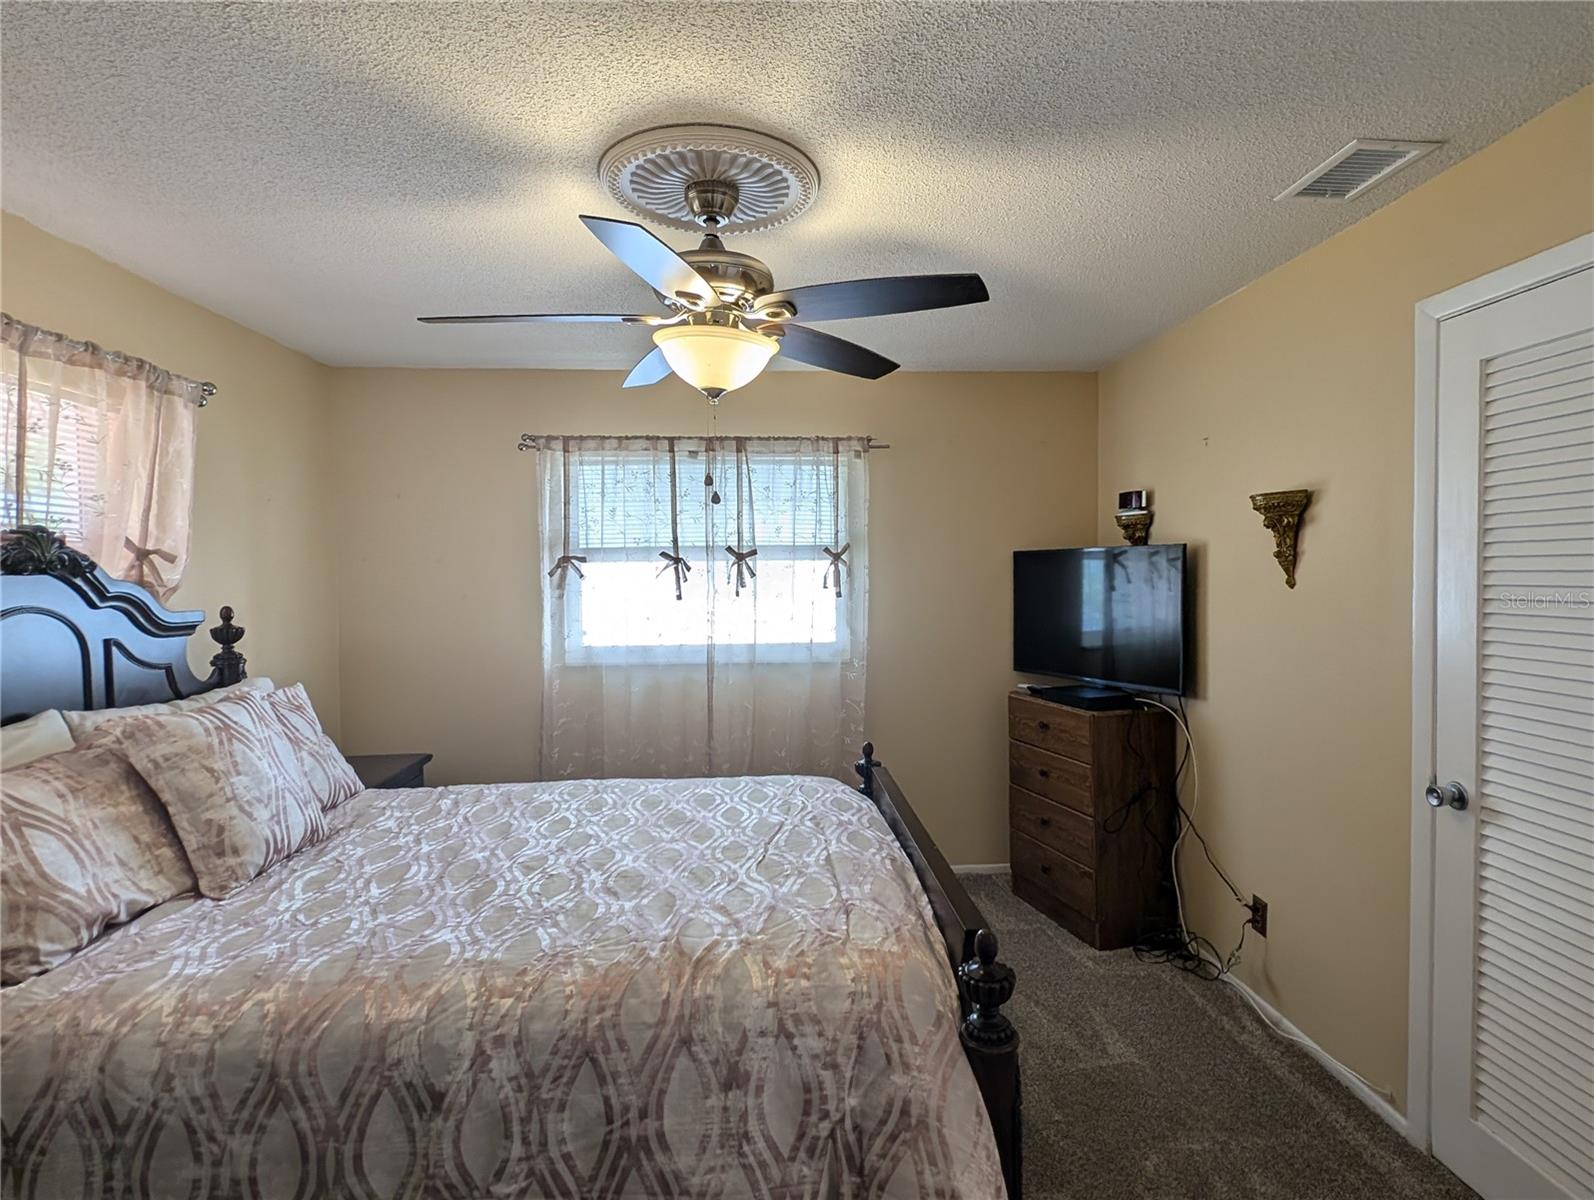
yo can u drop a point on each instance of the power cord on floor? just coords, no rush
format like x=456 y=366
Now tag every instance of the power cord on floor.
x=1193 y=953
x=1178 y=946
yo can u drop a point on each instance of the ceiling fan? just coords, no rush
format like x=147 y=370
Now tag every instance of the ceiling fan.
x=724 y=319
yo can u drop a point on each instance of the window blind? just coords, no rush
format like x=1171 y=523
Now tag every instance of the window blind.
x=59 y=463
x=615 y=500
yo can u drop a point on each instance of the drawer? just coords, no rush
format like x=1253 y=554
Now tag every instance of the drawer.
x=1051 y=775
x=1055 y=874
x=1052 y=825
x=1050 y=726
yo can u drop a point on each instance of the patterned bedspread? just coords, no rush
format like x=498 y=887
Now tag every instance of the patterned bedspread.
x=706 y=988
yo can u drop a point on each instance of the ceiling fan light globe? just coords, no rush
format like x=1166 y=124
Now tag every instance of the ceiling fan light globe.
x=715 y=358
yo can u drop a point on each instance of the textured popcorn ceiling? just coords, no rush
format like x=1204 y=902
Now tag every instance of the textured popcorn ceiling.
x=324 y=172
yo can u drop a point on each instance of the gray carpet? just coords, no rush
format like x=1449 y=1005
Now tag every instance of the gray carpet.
x=1140 y=1080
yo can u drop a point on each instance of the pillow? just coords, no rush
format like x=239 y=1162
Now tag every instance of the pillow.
x=25 y=741
x=84 y=723
x=85 y=845
x=225 y=772
x=332 y=779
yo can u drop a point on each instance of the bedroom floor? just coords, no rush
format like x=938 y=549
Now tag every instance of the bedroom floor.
x=1142 y=1081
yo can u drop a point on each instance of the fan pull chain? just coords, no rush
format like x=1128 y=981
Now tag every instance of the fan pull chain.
x=710 y=451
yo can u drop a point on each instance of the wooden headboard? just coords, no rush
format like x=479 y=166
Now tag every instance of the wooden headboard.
x=72 y=637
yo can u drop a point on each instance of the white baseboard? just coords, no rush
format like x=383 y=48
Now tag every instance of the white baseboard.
x=1392 y=1117
x=1282 y=1024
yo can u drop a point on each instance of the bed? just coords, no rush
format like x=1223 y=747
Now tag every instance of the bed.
x=768 y=986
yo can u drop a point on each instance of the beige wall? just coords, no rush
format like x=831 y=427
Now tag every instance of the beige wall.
x=262 y=539
x=1304 y=379
x=437 y=513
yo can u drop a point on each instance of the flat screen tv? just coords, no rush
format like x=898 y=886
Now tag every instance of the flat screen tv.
x=1108 y=615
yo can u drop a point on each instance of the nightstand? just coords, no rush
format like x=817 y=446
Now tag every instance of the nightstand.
x=391 y=770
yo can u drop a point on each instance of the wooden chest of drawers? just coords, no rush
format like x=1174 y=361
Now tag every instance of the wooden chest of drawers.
x=1090 y=804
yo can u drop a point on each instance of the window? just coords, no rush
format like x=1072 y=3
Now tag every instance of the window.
x=624 y=600
x=704 y=605
x=98 y=447
x=53 y=469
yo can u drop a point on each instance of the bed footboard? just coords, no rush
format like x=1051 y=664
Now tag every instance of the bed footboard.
x=984 y=984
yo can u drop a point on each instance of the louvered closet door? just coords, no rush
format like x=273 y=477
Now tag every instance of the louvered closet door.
x=1513 y=1003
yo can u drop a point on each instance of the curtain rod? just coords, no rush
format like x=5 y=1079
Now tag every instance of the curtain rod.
x=533 y=441
x=78 y=346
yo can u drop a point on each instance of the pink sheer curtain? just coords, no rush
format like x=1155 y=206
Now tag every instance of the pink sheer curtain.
x=705 y=605
x=99 y=447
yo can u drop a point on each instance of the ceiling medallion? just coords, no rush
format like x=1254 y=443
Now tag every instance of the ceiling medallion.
x=649 y=173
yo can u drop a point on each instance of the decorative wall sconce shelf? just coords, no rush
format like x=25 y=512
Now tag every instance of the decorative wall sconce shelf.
x=1134 y=516
x=1135 y=526
x=1281 y=516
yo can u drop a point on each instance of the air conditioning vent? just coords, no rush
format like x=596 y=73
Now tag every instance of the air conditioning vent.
x=1355 y=169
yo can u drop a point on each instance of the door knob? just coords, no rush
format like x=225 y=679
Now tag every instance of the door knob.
x=1451 y=793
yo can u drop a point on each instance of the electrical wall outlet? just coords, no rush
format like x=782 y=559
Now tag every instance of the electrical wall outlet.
x=1258 y=907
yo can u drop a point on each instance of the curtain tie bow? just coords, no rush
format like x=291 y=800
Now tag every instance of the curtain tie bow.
x=838 y=563
x=142 y=564
x=677 y=564
x=563 y=565
x=741 y=566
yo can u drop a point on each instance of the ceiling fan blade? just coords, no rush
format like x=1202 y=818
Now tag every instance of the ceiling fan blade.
x=877 y=297
x=512 y=318
x=650 y=370
x=665 y=271
x=832 y=353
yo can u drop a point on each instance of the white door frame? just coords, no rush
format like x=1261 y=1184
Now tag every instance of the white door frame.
x=1543 y=268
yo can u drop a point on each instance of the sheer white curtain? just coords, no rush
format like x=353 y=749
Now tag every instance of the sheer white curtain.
x=705 y=605
x=99 y=447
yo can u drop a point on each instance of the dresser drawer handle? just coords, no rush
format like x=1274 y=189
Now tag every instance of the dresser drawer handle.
x=1044 y=772
x=1043 y=726
x=1045 y=869
x=1045 y=822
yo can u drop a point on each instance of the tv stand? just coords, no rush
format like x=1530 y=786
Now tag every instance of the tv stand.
x=1093 y=699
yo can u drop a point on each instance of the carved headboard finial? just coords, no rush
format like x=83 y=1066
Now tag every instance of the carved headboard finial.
x=36 y=550
x=229 y=664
